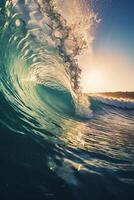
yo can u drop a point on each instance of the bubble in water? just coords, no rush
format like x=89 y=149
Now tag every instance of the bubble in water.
x=18 y=23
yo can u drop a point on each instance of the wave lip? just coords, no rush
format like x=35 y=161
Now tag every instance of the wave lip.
x=52 y=32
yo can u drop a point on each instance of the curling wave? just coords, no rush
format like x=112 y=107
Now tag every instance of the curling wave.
x=39 y=68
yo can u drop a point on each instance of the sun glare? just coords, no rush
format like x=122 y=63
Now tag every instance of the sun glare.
x=95 y=76
x=94 y=80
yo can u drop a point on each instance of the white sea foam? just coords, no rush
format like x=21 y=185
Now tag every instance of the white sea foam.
x=117 y=102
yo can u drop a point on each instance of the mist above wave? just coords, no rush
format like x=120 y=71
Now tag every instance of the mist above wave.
x=59 y=33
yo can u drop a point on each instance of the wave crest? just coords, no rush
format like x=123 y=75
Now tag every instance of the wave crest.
x=55 y=36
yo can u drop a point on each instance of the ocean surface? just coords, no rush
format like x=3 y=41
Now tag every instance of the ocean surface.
x=55 y=142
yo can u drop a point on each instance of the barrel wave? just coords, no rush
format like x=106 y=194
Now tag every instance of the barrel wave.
x=57 y=143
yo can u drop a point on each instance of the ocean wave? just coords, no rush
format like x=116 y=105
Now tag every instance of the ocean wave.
x=53 y=144
x=56 y=41
x=39 y=68
x=116 y=102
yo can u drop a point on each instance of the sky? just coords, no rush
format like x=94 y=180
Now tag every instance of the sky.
x=111 y=66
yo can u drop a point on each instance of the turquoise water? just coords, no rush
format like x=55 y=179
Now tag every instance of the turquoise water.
x=54 y=143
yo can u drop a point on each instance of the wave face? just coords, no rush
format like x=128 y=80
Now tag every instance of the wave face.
x=56 y=143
